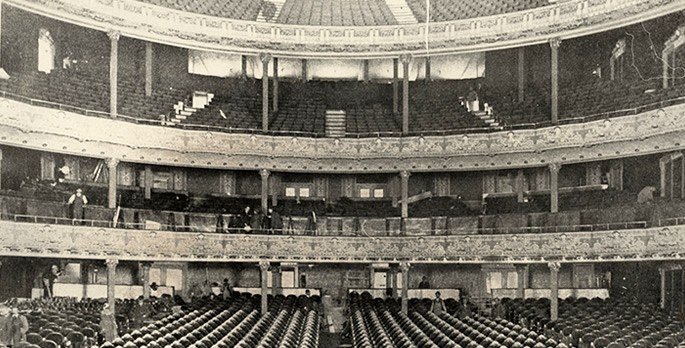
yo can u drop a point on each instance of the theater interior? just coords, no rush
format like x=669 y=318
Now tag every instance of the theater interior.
x=342 y=173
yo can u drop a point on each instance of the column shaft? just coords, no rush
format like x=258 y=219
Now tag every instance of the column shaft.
x=554 y=75
x=395 y=86
x=265 y=58
x=148 y=68
x=662 y=288
x=148 y=182
x=264 y=267
x=111 y=282
x=521 y=285
x=146 y=279
x=428 y=69
x=0 y=148
x=405 y=286
x=113 y=71
x=405 y=94
x=392 y=278
x=521 y=74
x=112 y=183
x=554 y=188
x=554 y=290
x=404 y=175
x=265 y=189
x=275 y=86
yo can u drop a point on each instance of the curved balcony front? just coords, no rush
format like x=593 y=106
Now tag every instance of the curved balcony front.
x=143 y=21
x=651 y=130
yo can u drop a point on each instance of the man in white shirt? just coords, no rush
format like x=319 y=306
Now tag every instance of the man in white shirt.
x=77 y=201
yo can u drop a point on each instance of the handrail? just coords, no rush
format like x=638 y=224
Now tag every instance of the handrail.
x=289 y=231
x=198 y=127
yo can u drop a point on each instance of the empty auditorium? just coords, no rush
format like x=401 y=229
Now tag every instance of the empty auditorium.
x=342 y=173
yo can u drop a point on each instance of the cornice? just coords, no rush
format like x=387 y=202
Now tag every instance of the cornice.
x=29 y=126
x=143 y=21
x=64 y=241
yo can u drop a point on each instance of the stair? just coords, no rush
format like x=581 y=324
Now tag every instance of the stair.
x=183 y=111
x=262 y=16
x=486 y=116
x=336 y=123
x=400 y=9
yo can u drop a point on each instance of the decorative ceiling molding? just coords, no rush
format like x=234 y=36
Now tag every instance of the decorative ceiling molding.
x=45 y=129
x=63 y=241
x=567 y=19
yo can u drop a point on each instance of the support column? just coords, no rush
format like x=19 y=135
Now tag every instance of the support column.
x=0 y=148
x=662 y=288
x=112 y=164
x=392 y=278
x=265 y=58
x=404 y=175
x=111 y=281
x=521 y=285
x=428 y=69
x=148 y=68
x=366 y=71
x=521 y=74
x=554 y=289
x=264 y=267
x=406 y=59
x=146 y=278
x=664 y=67
x=265 y=189
x=148 y=182
x=243 y=67
x=113 y=70
x=554 y=187
x=304 y=70
x=395 y=86
x=519 y=186
x=275 y=86
x=404 y=267
x=554 y=74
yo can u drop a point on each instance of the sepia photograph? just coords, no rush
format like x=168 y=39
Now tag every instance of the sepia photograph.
x=342 y=173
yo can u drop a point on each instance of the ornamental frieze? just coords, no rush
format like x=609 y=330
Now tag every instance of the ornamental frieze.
x=161 y=24
x=27 y=239
x=29 y=126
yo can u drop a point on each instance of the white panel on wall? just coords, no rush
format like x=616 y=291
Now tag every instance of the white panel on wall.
x=381 y=69
x=458 y=67
x=323 y=69
x=288 y=68
x=287 y=279
x=174 y=278
x=214 y=63
x=156 y=276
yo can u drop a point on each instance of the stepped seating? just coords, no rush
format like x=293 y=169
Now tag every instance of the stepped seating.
x=237 y=9
x=602 y=98
x=447 y=10
x=236 y=323
x=336 y=13
x=87 y=93
x=601 y=323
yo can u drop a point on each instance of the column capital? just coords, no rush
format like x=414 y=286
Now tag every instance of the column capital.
x=264 y=173
x=405 y=174
x=146 y=265
x=554 y=266
x=405 y=266
x=114 y=35
x=406 y=58
x=555 y=42
x=554 y=167
x=265 y=57
x=112 y=162
x=264 y=265
x=111 y=262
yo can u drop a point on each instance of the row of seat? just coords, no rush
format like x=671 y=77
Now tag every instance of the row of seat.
x=336 y=13
x=447 y=10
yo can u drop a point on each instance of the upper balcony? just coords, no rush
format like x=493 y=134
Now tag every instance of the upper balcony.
x=236 y=29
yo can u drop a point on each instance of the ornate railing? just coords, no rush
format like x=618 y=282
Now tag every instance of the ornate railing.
x=29 y=239
x=565 y=19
